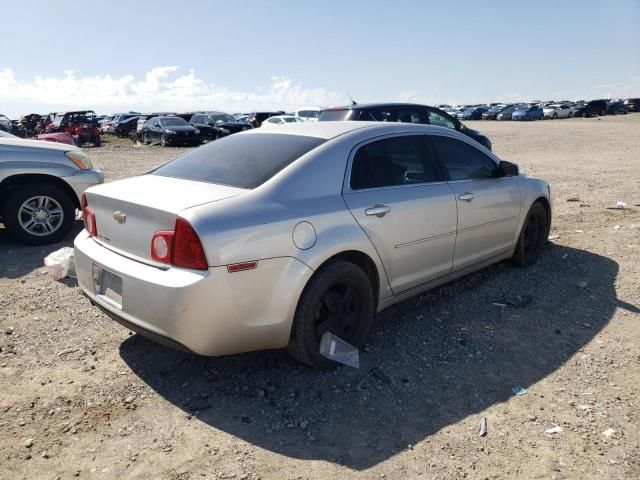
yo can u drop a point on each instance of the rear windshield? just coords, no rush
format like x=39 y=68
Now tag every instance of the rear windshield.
x=241 y=160
x=334 y=115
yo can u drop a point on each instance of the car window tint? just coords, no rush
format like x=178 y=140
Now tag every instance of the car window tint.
x=243 y=161
x=462 y=161
x=392 y=161
x=440 y=120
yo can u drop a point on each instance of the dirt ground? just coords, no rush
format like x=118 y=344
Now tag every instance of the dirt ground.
x=81 y=397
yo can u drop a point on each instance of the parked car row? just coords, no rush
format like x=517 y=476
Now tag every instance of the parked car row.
x=539 y=110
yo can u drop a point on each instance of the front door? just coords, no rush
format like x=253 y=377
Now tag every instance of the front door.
x=396 y=193
x=488 y=204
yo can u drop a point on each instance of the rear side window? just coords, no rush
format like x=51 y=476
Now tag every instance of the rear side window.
x=243 y=161
x=338 y=115
x=462 y=161
x=391 y=162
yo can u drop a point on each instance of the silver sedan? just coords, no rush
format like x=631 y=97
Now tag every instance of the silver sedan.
x=270 y=239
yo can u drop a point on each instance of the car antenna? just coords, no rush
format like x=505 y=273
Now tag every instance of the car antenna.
x=353 y=102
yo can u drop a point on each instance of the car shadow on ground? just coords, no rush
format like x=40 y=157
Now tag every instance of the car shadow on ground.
x=19 y=260
x=432 y=361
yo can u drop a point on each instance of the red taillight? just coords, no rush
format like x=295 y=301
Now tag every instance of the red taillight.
x=187 y=249
x=89 y=217
x=180 y=247
x=162 y=246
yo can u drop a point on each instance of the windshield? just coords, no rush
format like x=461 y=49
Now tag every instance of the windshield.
x=242 y=161
x=221 y=118
x=173 y=122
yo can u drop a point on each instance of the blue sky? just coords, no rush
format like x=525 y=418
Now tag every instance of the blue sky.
x=239 y=56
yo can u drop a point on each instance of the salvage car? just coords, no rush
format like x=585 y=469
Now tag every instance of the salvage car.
x=554 y=111
x=592 y=108
x=170 y=131
x=273 y=238
x=81 y=124
x=527 y=113
x=632 y=104
x=472 y=113
x=122 y=128
x=493 y=112
x=5 y=124
x=281 y=120
x=402 y=112
x=214 y=125
x=616 y=107
x=255 y=119
x=41 y=184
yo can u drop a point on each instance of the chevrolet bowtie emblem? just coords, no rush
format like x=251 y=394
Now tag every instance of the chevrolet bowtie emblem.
x=119 y=217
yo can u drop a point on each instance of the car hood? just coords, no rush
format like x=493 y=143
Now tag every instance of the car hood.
x=19 y=142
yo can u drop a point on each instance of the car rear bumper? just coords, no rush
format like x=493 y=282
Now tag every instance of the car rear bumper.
x=210 y=312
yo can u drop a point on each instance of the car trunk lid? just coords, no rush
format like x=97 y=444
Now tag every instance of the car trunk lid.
x=128 y=212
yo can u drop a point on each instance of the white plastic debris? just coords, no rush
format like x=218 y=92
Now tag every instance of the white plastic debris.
x=519 y=390
x=621 y=205
x=336 y=349
x=60 y=263
x=553 y=430
x=609 y=432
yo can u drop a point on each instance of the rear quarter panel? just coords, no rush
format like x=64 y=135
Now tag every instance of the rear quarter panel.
x=259 y=224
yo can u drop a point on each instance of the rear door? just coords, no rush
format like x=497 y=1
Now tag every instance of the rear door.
x=488 y=205
x=397 y=193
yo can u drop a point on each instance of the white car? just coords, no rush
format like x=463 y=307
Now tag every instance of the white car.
x=281 y=120
x=558 y=111
x=309 y=114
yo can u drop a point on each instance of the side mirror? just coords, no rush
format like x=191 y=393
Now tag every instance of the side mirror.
x=508 y=169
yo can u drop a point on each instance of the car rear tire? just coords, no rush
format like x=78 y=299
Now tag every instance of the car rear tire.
x=339 y=299
x=39 y=214
x=603 y=113
x=584 y=115
x=570 y=115
x=145 y=139
x=532 y=236
x=554 y=116
x=163 y=140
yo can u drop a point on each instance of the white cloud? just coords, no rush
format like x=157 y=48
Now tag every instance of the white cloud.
x=162 y=88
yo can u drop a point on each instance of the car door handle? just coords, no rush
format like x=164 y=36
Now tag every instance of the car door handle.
x=467 y=196
x=379 y=210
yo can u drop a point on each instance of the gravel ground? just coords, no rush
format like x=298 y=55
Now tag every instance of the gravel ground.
x=83 y=397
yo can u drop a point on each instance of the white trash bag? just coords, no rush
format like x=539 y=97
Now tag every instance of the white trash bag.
x=60 y=263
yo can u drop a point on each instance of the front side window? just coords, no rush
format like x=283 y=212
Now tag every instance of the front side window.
x=440 y=120
x=462 y=161
x=392 y=162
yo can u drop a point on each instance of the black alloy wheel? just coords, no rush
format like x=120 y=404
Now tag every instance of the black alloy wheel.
x=532 y=237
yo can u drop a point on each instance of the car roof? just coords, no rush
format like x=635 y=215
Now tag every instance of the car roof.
x=329 y=130
x=358 y=106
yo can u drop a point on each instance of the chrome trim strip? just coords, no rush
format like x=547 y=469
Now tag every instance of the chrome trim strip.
x=493 y=222
x=413 y=242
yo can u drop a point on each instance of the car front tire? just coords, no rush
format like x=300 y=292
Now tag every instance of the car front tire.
x=532 y=236
x=339 y=299
x=39 y=214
